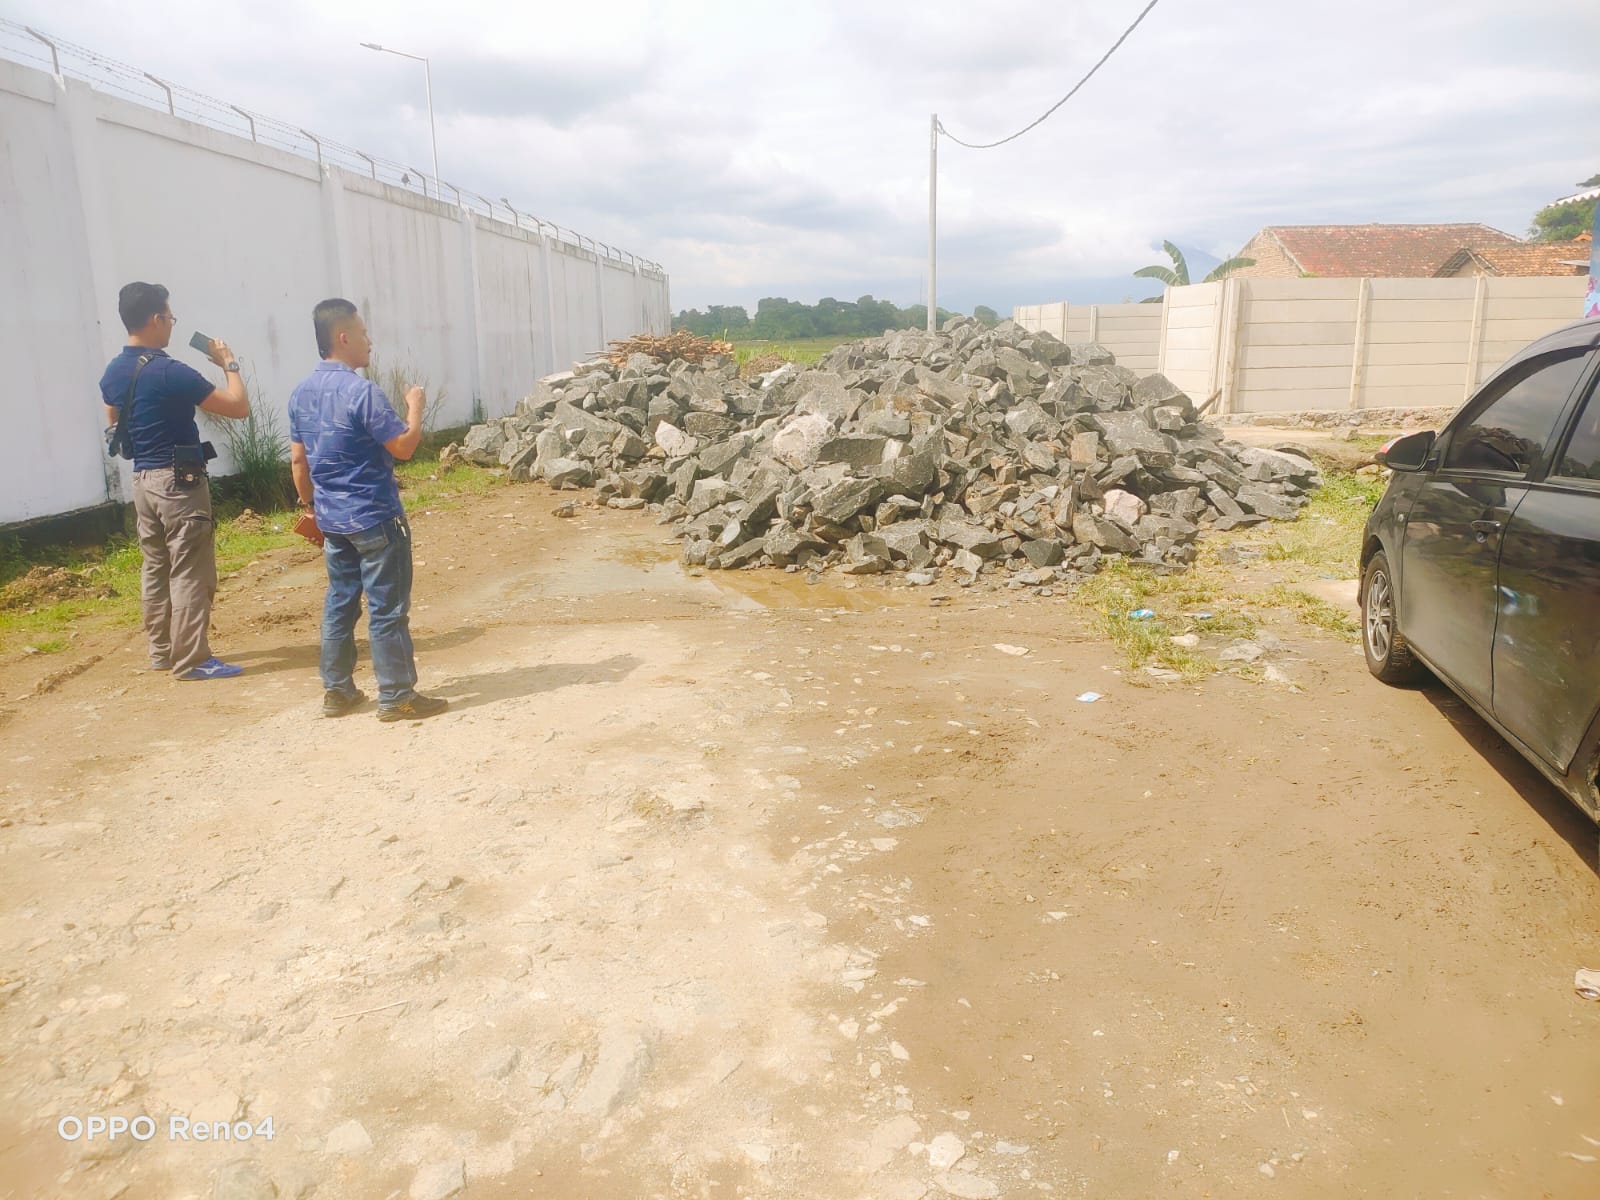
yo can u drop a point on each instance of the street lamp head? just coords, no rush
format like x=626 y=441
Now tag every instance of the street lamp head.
x=372 y=45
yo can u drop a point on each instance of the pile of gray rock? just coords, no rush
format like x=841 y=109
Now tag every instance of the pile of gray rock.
x=981 y=449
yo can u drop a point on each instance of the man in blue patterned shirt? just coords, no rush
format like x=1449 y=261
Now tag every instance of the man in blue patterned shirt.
x=343 y=439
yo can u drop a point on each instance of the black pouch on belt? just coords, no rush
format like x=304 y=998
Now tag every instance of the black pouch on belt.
x=188 y=465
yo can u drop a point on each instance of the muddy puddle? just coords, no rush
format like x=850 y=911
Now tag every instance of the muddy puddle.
x=644 y=567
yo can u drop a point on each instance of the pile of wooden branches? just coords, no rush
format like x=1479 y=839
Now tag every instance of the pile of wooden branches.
x=664 y=347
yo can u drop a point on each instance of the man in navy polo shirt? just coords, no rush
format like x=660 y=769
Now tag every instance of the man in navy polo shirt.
x=343 y=439
x=177 y=539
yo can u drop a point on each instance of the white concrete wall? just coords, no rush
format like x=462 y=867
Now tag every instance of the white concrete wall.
x=96 y=191
x=1130 y=331
x=1299 y=345
x=49 y=336
x=1189 y=338
x=1307 y=344
x=1294 y=341
x=1515 y=311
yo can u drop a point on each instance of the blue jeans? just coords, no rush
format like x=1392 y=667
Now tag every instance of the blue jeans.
x=376 y=561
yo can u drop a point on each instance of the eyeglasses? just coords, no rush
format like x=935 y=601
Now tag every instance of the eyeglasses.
x=168 y=318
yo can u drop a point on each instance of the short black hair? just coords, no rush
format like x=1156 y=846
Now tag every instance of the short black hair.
x=138 y=302
x=325 y=317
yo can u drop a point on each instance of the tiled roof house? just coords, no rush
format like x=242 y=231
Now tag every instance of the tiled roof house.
x=1353 y=251
x=1529 y=258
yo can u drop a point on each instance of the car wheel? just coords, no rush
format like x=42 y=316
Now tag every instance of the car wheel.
x=1388 y=655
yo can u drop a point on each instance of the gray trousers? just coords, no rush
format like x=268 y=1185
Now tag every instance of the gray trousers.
x=178 y=541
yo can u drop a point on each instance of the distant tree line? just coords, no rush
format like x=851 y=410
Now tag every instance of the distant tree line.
x=778 y=319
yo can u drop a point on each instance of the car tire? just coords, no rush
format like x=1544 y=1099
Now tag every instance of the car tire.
x=1389 y=656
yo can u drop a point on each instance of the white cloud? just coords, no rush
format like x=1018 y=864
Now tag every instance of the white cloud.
x=761 y=148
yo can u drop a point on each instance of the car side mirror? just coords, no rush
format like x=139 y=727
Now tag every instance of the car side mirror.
x=1407 y=452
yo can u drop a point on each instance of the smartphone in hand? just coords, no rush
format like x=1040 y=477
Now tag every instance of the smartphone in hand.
x=201 y=343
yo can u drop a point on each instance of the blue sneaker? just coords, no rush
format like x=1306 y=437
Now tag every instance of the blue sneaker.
x=212 y=668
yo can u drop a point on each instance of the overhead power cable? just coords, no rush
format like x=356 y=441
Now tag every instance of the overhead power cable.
x=1064 y=99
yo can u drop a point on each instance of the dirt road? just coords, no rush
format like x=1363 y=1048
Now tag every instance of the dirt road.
x=742 y=887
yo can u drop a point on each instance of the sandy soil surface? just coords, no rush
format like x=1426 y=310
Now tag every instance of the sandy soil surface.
x=740 y=886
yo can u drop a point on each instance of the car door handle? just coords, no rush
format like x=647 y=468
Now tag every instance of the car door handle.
x=1484 y=528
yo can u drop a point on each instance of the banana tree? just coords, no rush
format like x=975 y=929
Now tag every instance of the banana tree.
x=1177 y=275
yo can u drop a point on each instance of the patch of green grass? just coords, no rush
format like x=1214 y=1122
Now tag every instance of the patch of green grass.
x=1205 y=587
x=802 y=352
x=26 y=627
x=422 y=485
x=122 y=564
x=239 y=543
x=1327 y=534
x=1149 y=644
x=1311 y=610
x=118 y=564
x=1122 y=588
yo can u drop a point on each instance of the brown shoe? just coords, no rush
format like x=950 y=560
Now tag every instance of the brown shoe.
x=418 y=708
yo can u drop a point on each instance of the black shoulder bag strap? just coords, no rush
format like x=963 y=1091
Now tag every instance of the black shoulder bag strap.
x=121 y=443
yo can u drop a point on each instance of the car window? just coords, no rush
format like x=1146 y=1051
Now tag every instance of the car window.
x=1510 y=433
x=1581 y=458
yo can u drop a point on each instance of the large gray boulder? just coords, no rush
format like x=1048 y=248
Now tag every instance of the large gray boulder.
x=799 y=443
x=824 y=393
x=846 y=499
x=482 y=444
x=567 y=472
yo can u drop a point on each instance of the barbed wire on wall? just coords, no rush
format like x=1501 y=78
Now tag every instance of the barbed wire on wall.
x=33 y=48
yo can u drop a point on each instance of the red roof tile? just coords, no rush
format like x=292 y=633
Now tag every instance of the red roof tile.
x=1381 y=251
x=1529 y=258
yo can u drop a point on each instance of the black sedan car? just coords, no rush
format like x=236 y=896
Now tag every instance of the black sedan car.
x=1482 y=560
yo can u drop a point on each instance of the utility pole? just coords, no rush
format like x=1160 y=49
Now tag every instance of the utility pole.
x=933 y=223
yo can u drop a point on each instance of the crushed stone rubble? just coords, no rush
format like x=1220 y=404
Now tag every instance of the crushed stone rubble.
x=974 y=449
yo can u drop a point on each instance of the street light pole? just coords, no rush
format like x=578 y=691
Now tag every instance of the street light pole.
x=933 y=223
x=427 y=76
x=433 y=136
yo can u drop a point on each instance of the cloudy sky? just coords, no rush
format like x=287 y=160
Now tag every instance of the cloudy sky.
x=757 y=148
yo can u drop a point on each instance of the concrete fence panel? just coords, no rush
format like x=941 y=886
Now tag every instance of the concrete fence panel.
x=1297 y=345
x=1130 y=331
x=1188 y=352
x=1417 y=337
x=1515 y=311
